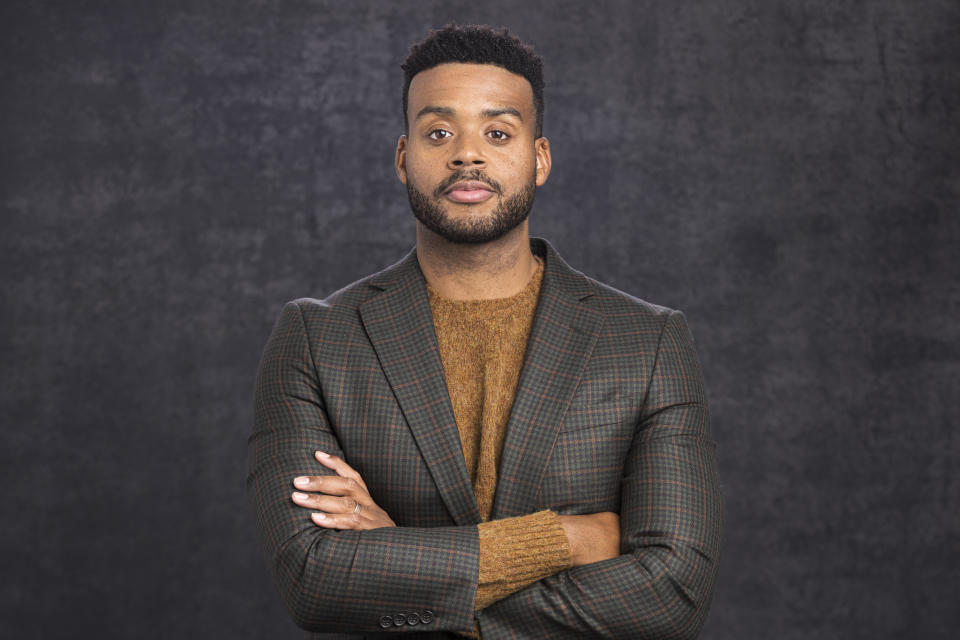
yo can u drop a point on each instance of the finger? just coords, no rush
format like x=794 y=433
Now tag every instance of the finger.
x=325 y=503
x=337 y=521
x=338 y=465
x=333 y=485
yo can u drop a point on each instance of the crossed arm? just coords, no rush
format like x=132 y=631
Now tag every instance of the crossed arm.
x=343 y=502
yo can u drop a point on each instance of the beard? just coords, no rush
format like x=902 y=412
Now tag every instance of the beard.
x=508 y=214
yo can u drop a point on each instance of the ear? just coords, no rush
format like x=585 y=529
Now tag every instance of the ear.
x=544 y=161
x=401 y=160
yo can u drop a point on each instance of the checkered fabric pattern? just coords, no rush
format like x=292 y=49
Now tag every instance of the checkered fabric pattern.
x=610 y=415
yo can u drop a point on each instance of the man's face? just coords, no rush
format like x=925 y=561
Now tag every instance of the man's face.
x=471 y=161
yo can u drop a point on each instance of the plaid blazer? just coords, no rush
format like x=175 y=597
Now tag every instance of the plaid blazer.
x=610 y=415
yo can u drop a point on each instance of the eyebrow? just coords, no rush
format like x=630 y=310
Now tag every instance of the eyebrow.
x=486 y=113
x=443 y=111
x=503 y=111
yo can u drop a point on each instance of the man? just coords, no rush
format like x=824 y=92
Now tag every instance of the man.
x=480 y=440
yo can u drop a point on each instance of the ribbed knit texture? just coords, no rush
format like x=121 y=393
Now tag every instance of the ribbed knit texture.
x=516 y=552
x=482 y=346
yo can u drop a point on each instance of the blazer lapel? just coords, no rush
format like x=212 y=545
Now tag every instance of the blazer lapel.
x=563 y=335
x=399 y=324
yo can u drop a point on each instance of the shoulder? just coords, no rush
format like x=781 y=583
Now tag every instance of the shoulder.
x=626 y=315
x=346 y=302
x=615 y=303
x=626 y=318
x=602 y=298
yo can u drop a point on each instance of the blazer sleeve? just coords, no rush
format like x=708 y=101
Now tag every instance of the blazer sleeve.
x=670 y=518
x=421 y=579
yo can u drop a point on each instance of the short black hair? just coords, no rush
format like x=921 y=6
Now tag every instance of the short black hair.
x=478 y=44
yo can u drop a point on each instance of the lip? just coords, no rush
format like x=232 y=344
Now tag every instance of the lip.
x=469 y=191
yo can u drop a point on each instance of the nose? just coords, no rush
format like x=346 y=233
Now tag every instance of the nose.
x=467 y=152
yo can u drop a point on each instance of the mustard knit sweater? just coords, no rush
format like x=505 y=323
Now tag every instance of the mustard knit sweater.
x=482 y=346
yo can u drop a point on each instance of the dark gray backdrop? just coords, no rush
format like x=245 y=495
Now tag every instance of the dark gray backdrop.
x=784 y=172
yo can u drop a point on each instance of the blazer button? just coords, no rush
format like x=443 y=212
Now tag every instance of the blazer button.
x=413 y=619
x=426 y=617
x=399 y=620
x=386 y=622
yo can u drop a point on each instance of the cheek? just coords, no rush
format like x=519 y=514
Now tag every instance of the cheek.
x=520 y=166
x=520 y=173
x=418 y=171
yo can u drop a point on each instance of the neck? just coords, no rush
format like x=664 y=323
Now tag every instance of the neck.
x=497 y=269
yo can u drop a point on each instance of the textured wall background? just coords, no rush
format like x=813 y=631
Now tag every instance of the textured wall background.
x=787 y=173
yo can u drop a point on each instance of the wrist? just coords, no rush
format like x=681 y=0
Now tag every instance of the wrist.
x=592 y=537
x=572 y=531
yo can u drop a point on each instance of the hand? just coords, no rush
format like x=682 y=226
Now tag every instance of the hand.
x=592 y=537
x=342 y=501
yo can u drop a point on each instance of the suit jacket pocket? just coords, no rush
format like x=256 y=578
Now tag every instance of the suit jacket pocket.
x=623 y=410
x=580 y=418
x=602 y=402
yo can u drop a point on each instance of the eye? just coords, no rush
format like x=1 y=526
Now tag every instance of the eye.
x=439 y=134
x=499 y=136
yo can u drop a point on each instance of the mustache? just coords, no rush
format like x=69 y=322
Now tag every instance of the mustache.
x=467 y=174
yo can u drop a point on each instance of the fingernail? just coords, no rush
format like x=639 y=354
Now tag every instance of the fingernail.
x=302 y=481
x=319 y=516
x=322 y=454
x=300 y=496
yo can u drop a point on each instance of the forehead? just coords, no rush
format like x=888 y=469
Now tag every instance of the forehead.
x=463 y=85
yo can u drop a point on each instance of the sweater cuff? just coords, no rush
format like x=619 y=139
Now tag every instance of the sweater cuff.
x=516 y=552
